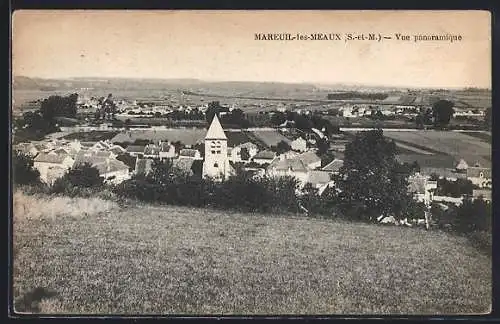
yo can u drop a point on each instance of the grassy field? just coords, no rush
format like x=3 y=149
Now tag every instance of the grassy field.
x=172 y=260
x=455 y=144
x=270 y=138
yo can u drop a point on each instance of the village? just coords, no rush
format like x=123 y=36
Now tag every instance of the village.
x=214 y=157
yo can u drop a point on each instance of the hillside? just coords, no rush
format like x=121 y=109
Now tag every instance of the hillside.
x=97 y=257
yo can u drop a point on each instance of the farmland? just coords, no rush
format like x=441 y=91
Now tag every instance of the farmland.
x=455 y=144
x=270 y=137
x=173 y=260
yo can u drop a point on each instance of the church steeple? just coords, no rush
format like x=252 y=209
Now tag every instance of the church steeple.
x=216 y=164
x=215 y=130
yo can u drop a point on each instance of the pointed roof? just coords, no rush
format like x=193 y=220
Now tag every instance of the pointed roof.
x=215 y=130
x=462 y=165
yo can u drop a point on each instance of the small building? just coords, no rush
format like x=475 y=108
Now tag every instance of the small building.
x=235 y=153
x=112 y=170
x=167 y=150
x=462 y=166
x=422 y=188
x=293 y=167
x=264 y=157
x=318 y=178
x=310 y=159
x=334 y=166
x=479 y=176
x=190 y=153
x=52 y=166
x=299 y=145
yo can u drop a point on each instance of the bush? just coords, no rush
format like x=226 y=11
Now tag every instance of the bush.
x=22 y=168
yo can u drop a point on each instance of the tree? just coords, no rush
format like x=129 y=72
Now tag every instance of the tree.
x=23 y=172
x=442 y=111
x=371 y=178
x=58 y=106
x=214 y=107
x=323 y=146
x=278 y=118
x=245 y=155
x=83 y=175
x=281 y=147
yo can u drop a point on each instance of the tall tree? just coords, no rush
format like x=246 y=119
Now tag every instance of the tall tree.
x=372 y=178
x=442 y=111
x=213 y=108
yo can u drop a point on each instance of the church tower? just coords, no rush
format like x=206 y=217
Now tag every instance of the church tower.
x=216 y=164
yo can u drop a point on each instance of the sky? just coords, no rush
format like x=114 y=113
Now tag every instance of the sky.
x=221 y=45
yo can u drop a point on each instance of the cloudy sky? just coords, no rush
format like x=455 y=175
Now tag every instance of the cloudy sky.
x=221 y=45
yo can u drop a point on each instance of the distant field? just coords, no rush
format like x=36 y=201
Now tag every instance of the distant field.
x=486 y=137
x=270 y=138
x=98 y=258
x=458 y=145
x=92 y=136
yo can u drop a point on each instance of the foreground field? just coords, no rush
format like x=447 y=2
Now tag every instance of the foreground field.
x=172 y=260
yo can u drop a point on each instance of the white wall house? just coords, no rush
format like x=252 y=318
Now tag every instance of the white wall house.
x=235 y=153
x=299 y=145
x=113 y=171
x=52 y=166
x=481 y=177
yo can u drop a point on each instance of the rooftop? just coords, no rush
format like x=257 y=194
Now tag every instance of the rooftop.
x=215 y=130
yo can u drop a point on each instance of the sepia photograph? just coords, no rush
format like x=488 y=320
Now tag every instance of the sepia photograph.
x=251 y=162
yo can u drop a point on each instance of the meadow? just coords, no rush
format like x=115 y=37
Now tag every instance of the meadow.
x=93 y=256
x=456 y=144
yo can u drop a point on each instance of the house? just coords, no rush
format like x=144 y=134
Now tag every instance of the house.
x=422 y=188
x=90 y=157
x=143 y=166
x=167 y=150
x=264 y=157
x=283 y=166
x=479 y=176
x=216 y=164
x=310 y=159
x=318 y=178
x=442 y=173
x=235 y=153
x=112 y=170
x=334 y=166
x=52 y=165
x=27 y=148
x=299 y=145
x=461 y=166
x=190 y=153
x=136 y=150
x=101 y=145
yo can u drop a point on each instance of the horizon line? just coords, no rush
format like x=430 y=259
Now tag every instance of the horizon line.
x=314 y=83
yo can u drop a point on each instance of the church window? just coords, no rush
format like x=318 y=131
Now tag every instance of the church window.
x=218 y=152
x=213 y=152
x=216 y=165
